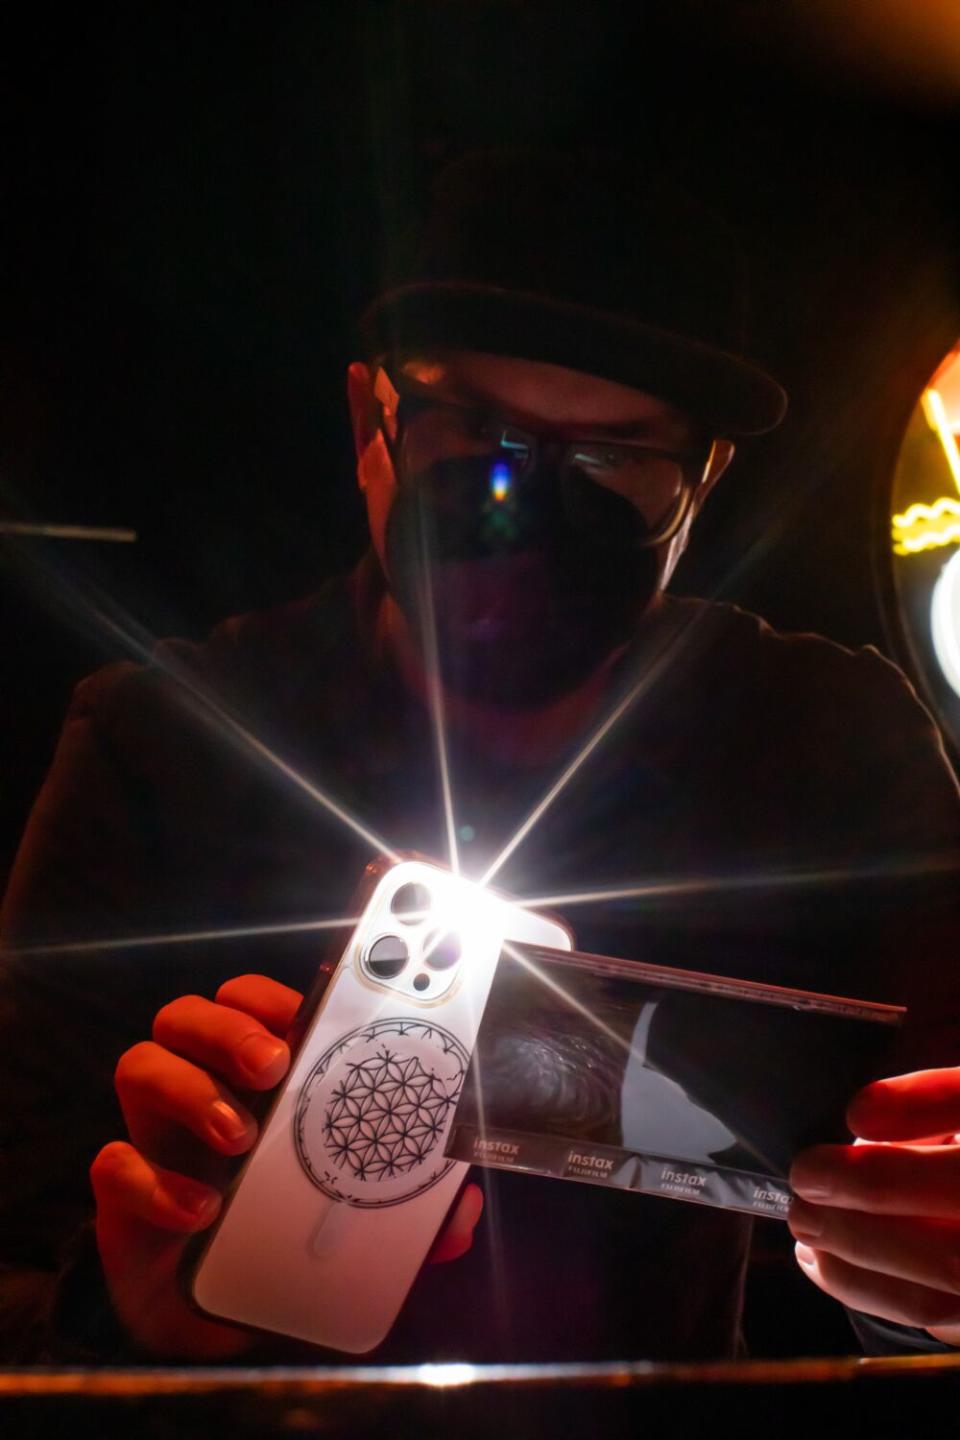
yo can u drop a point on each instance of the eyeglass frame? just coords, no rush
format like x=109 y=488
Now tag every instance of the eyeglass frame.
x=391 y=397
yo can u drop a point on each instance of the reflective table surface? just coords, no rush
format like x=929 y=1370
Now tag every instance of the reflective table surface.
x=907 y=1396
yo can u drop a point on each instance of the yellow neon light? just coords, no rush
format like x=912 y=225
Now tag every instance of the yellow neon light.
x=917 y=513
x=935 y=411
x=933 y=541
x=926 y=527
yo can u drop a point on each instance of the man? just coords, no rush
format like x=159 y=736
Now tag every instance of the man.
x=544 y=407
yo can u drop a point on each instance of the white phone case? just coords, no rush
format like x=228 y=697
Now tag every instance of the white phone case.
x=342 y=1197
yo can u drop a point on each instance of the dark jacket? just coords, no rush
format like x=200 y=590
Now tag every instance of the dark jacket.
x=748 y=754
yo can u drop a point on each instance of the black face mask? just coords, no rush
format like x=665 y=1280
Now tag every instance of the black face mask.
x=531 y=591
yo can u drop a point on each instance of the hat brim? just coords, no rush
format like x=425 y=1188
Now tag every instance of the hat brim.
x=729 y=395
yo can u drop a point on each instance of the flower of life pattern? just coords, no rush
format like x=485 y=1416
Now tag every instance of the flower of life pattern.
x=374 y=1111
x=386 y=1115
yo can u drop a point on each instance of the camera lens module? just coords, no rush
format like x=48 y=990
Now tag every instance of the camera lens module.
x=411 y=903
x=443 y=951
x=387 y=957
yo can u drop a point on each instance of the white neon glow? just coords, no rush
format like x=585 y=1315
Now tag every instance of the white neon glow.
x=945 y=621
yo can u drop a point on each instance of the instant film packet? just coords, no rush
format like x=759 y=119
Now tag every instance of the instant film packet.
x=662 y=1081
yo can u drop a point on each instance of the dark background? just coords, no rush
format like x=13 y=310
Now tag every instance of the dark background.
x=197 y=201
x=195 y=206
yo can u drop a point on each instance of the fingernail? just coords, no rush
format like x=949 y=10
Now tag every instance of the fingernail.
x=818 y=1193
x=261 y=1055
x=804 y=1221
x=199 y=1202
x=228 y=1123
x=805 y=1255
x=808 y=1180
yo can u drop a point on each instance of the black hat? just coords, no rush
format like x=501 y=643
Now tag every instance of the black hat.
x=584 y=261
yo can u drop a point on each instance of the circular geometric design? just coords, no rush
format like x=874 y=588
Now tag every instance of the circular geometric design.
x=385 y=1116
x=374 y=1111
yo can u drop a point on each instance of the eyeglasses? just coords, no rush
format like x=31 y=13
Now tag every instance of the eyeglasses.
x=629 y=495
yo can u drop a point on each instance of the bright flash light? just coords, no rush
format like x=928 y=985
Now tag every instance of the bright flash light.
x=446 y=910
x=500 y=481
x=443 y=1376
x=465 y=908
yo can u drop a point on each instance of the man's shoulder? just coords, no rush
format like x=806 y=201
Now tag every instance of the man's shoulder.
x=825 y=705
x=259 y=662
x=733 y=636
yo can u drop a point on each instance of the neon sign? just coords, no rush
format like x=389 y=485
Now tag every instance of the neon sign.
x=924 y=526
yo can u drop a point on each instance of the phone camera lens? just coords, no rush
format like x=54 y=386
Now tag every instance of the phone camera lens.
x=421 y=981
x=442 y=952
x=387 y=957
x=411 y=903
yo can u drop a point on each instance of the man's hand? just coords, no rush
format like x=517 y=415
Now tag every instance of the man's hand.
x=181 y=1099
x=878 y=1223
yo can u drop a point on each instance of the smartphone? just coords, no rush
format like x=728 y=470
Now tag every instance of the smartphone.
x=338 y=1204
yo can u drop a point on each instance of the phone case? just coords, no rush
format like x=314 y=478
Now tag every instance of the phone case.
x=339 y=1202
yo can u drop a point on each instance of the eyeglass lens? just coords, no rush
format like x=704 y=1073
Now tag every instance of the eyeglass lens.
x=496 y=456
